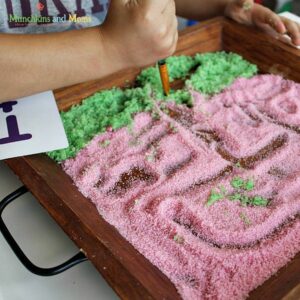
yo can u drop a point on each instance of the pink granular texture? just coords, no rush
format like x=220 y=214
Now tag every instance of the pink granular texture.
x=225 y=250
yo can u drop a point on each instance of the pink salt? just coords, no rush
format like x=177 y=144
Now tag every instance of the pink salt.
x=215 y=254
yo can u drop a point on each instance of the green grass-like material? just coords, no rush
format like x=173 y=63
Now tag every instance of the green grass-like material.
x=116 y=108
x=219 y=70
x=242 y=187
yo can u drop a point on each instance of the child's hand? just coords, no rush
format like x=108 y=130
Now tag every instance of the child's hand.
x=247 y=12
x=138 y=33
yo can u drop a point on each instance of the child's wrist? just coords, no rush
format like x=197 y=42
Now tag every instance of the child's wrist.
x=114 y=51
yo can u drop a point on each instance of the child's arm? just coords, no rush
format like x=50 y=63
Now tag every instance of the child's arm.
x=136 y=33
x=34 y=63
x=242 y=11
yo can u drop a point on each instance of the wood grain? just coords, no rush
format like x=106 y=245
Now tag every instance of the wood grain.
x=280 y=284
x=130 y=274
x=293 y=295
x=271 y=55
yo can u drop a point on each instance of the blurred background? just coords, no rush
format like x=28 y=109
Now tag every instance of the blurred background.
x=282 y=5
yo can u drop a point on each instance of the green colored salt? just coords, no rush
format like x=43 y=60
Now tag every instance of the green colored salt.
x=249 y=185
x=218 y=70
x=259 y=201
x=110 y=108
x=116 y=108
x=214 y=197
x=237 y=182
x=241 y=187
x=235 y=197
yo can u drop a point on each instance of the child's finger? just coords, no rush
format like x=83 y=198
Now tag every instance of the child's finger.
x=275 y=22
x=263 y=15
x=174 y=42
x=293 y=30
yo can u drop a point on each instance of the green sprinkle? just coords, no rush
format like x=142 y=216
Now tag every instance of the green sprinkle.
x=235 y=197
x=240 y=183
x=249 y=185
x=259 y=201
x=245 y=200
x=214 y=197
x=237 y=183
x=178 y=239
x=241 y=187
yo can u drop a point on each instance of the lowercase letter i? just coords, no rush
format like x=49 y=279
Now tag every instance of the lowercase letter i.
x=12 y=125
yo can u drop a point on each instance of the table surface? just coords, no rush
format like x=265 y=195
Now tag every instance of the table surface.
x=47 y=245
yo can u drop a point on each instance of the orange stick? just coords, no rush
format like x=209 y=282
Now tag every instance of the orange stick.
x=164 y=75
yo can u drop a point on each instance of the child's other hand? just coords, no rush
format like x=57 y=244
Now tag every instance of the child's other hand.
x=140 y=32
x=247 y=12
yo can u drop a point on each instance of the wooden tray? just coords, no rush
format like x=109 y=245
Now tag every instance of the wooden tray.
x=130 y=274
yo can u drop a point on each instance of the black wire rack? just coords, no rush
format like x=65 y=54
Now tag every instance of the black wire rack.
x=75 y=260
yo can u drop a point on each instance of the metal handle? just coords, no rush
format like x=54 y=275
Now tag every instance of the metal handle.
x=78 y=258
